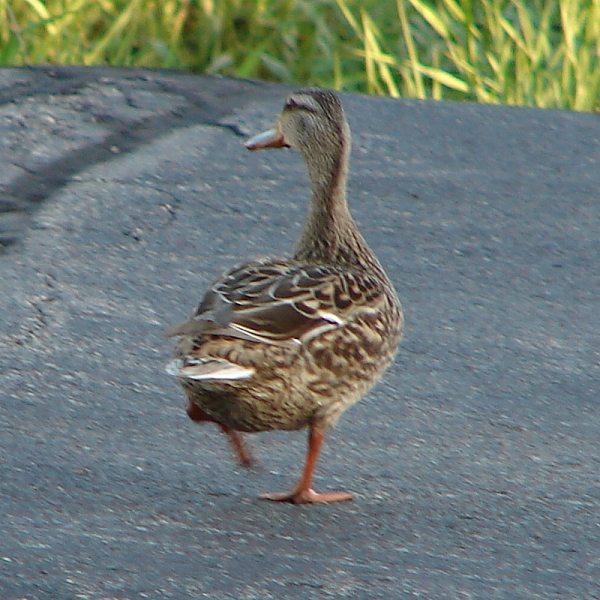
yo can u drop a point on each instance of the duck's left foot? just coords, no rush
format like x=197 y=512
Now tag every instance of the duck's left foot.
x=195 y=413
x=307 y=497
x=239 y=447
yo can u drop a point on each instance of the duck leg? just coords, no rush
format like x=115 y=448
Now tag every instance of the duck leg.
x=195 y=413
x=303 y=493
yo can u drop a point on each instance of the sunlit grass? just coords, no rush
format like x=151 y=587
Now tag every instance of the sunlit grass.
x=542 y=53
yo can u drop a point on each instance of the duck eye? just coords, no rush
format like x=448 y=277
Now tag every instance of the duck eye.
x=292 y=103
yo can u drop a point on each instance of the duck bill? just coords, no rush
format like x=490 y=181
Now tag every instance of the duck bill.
x=267 y=139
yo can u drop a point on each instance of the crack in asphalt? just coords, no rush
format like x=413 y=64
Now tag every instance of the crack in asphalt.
x=26 y=193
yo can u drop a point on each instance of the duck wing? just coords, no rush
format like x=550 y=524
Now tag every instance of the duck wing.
x=282 y=303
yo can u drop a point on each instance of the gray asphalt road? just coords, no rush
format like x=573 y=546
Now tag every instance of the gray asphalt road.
x=475 y=464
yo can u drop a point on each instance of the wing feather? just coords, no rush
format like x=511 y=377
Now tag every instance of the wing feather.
x=282 y=303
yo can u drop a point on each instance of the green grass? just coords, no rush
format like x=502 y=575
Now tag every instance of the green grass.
x=543 y=53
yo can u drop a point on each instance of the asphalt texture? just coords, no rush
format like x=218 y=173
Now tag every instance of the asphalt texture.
x=475 y=464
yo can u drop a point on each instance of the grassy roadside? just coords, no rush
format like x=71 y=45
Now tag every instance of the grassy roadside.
x=543 y=53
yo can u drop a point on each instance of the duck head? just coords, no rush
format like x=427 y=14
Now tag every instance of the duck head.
x=312 y=121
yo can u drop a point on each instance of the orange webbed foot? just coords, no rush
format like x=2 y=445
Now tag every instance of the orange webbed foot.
x=303 y=493
x=239 y=447
x=195 y=413
x=308 y=496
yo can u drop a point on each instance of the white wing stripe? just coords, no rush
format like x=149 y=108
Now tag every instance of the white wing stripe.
x=209 y=370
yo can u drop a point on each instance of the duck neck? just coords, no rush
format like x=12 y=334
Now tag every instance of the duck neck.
x=330 y=233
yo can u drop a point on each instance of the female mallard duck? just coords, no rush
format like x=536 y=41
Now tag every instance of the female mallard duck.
x=292 y=343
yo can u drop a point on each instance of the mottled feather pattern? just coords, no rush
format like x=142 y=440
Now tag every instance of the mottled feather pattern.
x=317 y=380
x=283 y=302
x=318 y=377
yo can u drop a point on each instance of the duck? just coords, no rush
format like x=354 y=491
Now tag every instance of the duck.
x=292 y=343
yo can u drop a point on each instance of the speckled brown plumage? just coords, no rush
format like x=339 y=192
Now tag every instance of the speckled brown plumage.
x=288 y=344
